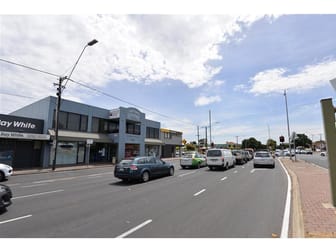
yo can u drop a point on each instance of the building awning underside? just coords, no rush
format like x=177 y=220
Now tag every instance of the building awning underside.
x=152 y=141
x=65 y=135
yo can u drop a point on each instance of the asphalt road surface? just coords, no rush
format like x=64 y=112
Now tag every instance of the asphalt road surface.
x=315 y=159
x=241 y=202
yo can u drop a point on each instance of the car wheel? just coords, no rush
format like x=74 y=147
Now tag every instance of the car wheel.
x=226 y=166
x=211 y=168
x=171 y=171
x=145 y=176
x=2 y=176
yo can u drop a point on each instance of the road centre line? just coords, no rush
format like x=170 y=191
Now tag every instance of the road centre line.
x=235 y=172
x=252 y=171
x=198 y=193
x=185 y=174
x=134 y=229
x=37 y=194
x=70 y=178
x=28 y=186
x=223 y=178
x=15 y=219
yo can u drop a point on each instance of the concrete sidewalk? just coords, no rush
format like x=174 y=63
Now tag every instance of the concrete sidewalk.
x=312 y=212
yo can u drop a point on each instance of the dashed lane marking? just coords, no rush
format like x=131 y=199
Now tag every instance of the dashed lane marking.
x=15 y=219
x=134 y=229
x=198 y=193
x=37 y=194
x=223 y=178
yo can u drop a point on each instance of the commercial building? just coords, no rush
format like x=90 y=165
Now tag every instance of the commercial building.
x=87 y=134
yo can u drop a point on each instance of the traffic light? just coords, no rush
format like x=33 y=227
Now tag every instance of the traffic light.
x=58 y=92
x=282 y=139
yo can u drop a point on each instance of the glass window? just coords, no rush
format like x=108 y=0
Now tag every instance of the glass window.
x=73 y=122
x=95 y=125
x=62 y=123
x=84 y=123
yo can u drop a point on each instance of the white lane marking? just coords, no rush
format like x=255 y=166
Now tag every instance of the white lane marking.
x=285 y=221
x=198 y=193
x=27 y=186
x=71 y=178
x=252 y=171
x=188 y=173
x=243 y=167
x=15 y=219
x=223 y=178
x=235 y=171
x=37 y=194
x=14 y=184
x=134 y=229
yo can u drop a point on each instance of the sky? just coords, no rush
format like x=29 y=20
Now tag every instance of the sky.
x=178 y=67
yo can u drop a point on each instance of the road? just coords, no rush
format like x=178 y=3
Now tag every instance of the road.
x=241 y=202
x=315 y=159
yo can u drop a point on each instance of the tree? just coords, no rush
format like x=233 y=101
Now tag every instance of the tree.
x=252 y=143
x=190 y=147
x=271 y=144
x=303 y=140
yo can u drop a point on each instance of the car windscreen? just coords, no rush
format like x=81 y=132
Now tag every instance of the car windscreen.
x=214 y=153
x=262 y=154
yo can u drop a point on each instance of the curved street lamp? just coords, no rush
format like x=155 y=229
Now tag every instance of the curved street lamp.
x=59 y=93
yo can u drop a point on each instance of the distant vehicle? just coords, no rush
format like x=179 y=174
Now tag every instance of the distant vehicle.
x=5 y=197
x=142 y=168
x=309 y=152
x=263 y=158
x=193 y=160
x=239 y=156
x=5 y=171
x=220 y=158
x=323 y=153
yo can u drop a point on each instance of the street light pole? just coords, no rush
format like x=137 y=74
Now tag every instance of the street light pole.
x=290 y=150
x=59 y=94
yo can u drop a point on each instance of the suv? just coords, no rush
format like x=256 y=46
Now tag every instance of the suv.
x=5 y=171
x=222 y=158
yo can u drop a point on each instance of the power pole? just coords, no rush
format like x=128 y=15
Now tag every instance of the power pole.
x=58 y=106
x=289 y=140
x=210 y=126
x=198 y=143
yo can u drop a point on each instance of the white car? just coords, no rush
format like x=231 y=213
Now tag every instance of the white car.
x=5 y=171
x=263 y=158
x=220 y=158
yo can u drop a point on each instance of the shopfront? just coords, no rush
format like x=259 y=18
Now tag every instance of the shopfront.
x=21 y=141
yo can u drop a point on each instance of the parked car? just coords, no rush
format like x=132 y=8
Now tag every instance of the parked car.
x=193 y=160
x=143 y=168
x=220 y=158
x=239 y=156
x=323 y=153
x=263 y=158
x=5 y=171
x=5 y=197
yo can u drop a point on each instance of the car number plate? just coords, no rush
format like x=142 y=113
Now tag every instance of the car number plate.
x=121 y=169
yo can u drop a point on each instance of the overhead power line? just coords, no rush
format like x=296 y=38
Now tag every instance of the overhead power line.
x=94 y=89
x=28 y=67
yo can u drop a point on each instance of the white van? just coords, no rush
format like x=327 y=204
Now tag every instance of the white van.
x=220 y=158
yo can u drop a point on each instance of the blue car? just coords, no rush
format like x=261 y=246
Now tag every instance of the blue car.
x=143 y=169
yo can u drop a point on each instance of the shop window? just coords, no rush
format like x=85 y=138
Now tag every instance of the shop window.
x=152 y=133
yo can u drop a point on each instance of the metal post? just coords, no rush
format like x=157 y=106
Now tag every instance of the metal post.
x=328 y=113
x=206 y=137
x=210 y=126
x=289 y=140
x=58 y=106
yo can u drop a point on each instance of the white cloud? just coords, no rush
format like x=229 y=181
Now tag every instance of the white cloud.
x=205 y=100
x=139 y=48
x=309 y=77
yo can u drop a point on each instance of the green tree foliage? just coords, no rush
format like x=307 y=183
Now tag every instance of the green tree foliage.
x=271 y=144
x=303 y=140
x=190 y=147
x=252 y=143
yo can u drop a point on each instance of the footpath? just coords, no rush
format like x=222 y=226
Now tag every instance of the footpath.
x=312 y=212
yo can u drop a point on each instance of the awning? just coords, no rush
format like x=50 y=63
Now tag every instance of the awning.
x=152 y=141
x=66 y=135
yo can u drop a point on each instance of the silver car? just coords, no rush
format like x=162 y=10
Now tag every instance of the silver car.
x=263 y=158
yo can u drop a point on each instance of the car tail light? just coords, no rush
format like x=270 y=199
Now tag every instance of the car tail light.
x=223 y=159
x=133 y=167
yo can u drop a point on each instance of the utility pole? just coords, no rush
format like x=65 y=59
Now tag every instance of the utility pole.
x=289 y=139
x=210 y=126
x=58 y=106
x=198 y=143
